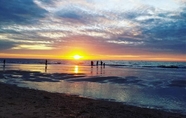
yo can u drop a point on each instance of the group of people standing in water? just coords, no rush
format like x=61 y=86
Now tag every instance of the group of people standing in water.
x=97 y=63
x=92 y=63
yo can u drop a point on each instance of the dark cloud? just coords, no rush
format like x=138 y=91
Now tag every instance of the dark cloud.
x=20 y=11
x=4 y=44
x=162 y=33
x=72 y=14
x=47 y=1
x=76 y=15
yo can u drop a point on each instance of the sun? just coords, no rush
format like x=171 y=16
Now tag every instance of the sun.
x=77 y=57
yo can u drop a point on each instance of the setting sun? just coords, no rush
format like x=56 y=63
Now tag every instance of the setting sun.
x=77 y=57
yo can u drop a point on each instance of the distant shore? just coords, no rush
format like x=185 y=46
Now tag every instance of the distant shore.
x=28 y=103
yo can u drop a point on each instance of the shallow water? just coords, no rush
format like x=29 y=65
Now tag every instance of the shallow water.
x=160 y=88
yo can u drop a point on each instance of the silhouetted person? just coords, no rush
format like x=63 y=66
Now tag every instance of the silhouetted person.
x=4 y=61
x=46 y=62
x=92 y=63
x=97 y=63
x=101 y=63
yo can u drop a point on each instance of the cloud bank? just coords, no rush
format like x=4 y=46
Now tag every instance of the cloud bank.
x=128 y=27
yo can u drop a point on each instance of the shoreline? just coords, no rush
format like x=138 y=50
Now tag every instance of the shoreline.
x=24 y=102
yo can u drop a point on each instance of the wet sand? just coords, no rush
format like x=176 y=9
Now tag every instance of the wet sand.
x=19 y=102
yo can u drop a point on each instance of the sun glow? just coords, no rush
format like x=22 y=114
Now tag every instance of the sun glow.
x=77 y=57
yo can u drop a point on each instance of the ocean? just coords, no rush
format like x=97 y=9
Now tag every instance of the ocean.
x=156 y=85
x=118 y=63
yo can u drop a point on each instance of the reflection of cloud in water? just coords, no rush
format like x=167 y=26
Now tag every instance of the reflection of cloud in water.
x=141 y=87
x=178 y=83
x=36 y=76
x=151 y=98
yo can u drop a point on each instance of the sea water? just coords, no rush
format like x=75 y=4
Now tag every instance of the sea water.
x=159 y=85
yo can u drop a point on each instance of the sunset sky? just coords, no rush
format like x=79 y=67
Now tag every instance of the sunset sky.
x=93 y=29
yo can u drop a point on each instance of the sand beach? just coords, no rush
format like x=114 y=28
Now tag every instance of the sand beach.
x=19 y=102
x=32 y=100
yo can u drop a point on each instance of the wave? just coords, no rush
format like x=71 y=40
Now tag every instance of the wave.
x=148 y=66
x=112 y=63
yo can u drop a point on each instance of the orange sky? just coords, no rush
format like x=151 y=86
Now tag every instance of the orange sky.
x=94 y=56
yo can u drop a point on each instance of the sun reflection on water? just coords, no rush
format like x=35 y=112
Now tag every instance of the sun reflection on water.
x=76 y=69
